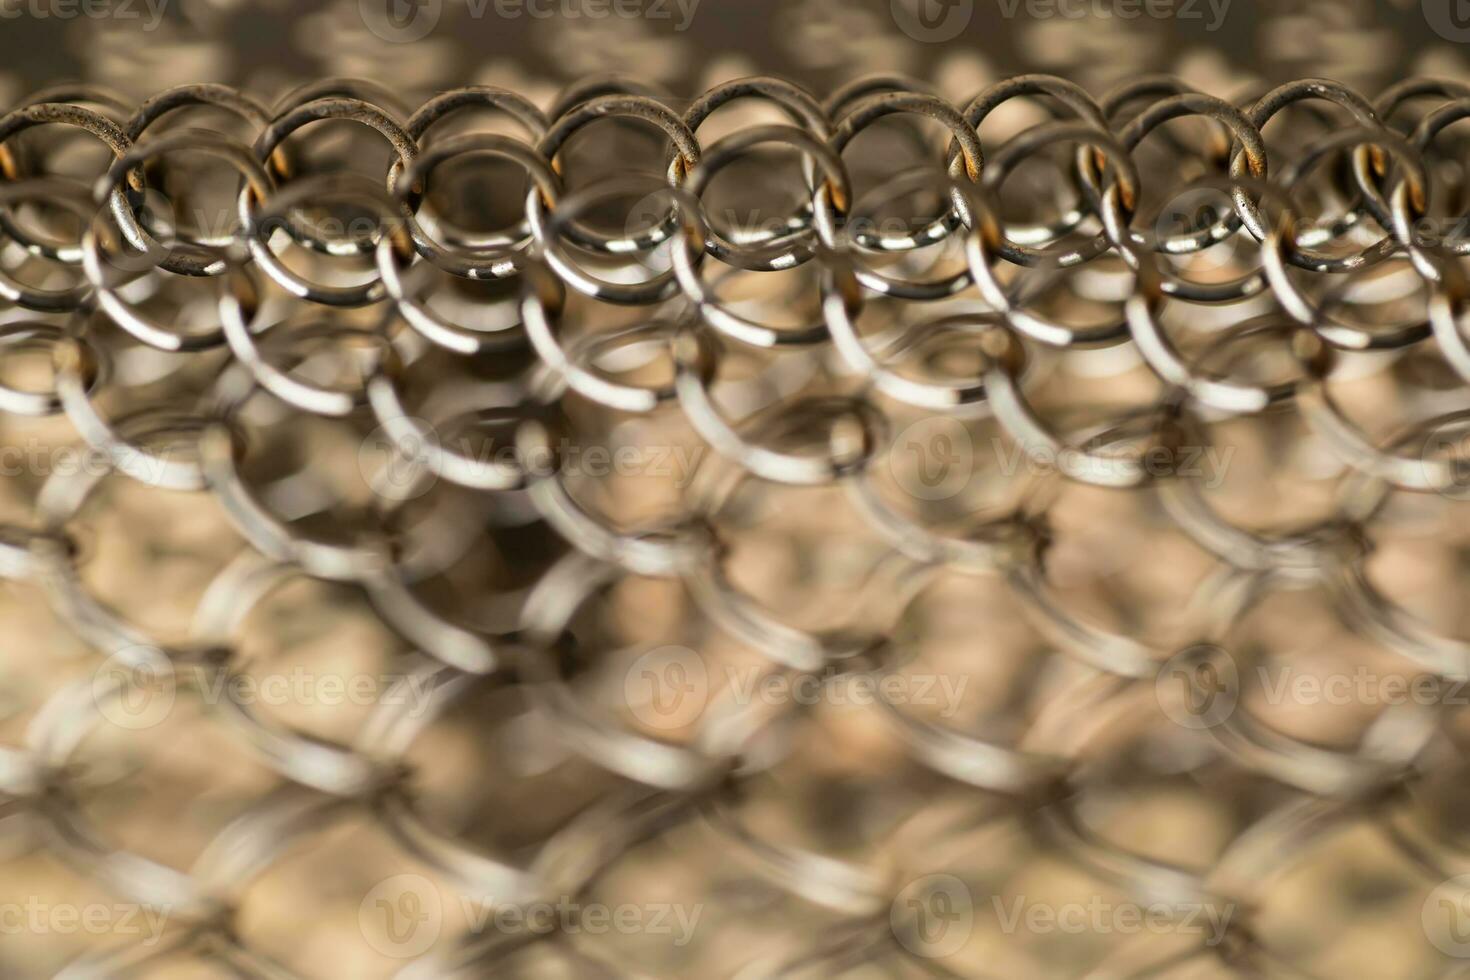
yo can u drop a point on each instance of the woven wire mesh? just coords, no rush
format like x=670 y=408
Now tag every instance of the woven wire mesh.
x=584 y=532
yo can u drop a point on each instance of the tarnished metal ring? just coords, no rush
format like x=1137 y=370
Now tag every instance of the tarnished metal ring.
x=192 y=260
x=1367 y=159
x=967 y=163
x=686 y=156
x=1280 y=244
x=779 y=250
x=489 y=263
x=1300 y=254
x=63 y=114
x=340 y=87
x=1073 y=97
x=305 y=232
x=1252 y=158
x=490 y=97
x=794 y=101
x=1423 y=136
x=194 y=96
x=796 y=104
x=1124 y=190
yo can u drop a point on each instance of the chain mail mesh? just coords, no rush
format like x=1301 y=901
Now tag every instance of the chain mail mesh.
x=766 y=535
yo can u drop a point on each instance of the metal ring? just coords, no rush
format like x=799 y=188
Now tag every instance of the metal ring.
x=769 y=464
x=544 y=623
x=307 y=233
x=543 y=303
x=261 y=218
x=656 y=289
x=64 y=114
x=686 y=156
x=1252 y=157
x=240 y=304
x=968 y=162
x=779 y=250
x=191 y=96
x=193 y=260
x=61 y=193
x=504 y=101
x=27 y=335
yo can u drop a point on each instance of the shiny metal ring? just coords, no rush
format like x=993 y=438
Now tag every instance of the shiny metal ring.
x=261 y=218
x=58 y=193
x=190 y=260
x=240 y=303
x=685 y=157
x=654 y=289
x=542 y=307
x=840 y=239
